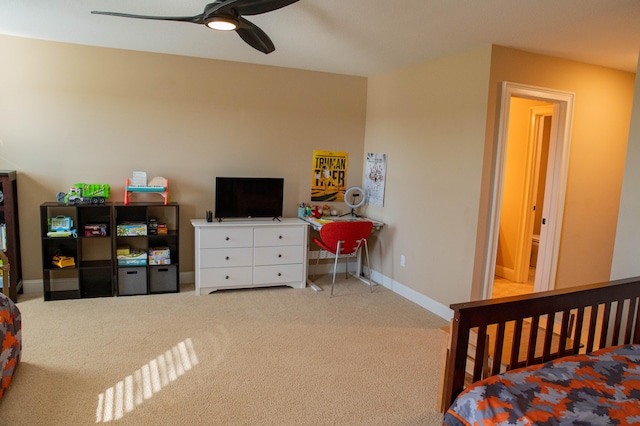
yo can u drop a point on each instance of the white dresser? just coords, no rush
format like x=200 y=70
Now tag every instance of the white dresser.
x=250 y=253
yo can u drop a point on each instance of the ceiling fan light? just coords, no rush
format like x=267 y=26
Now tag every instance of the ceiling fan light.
x=222 y=23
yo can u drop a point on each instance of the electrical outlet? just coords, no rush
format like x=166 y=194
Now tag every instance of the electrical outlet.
x=402 y=260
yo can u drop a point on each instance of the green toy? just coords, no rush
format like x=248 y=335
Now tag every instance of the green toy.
x=85 y=193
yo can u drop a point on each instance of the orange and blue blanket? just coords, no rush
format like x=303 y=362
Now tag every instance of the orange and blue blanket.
x=600 y=388
x=10 y=340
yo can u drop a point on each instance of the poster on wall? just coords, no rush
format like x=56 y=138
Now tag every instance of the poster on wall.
x=328 y=176
x=376 y=173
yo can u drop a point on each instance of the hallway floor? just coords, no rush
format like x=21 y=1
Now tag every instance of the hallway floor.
x=502 y=287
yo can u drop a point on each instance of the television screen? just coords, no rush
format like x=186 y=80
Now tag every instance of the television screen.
x=249 y=197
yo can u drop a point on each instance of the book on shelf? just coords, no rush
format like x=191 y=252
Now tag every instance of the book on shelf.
x=3 y=237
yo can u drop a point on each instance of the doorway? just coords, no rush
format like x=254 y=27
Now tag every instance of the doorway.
x=561 y=105
x=526 y=158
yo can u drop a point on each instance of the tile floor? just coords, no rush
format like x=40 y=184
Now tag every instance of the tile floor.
x=503 y=287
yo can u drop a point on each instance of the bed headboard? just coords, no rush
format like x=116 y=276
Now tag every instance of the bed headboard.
x=555 y=323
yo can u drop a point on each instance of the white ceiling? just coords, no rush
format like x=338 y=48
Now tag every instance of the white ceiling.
x=356 y=37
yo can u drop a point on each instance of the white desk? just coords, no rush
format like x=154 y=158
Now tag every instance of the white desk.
x=316 y=224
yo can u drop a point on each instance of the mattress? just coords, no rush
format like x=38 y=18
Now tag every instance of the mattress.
x=600 y=388
x=10 y=340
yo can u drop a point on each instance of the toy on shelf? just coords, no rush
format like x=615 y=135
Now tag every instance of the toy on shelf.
x=85 y=193
x=138 y=183
x=61 y=227
x=63 y=261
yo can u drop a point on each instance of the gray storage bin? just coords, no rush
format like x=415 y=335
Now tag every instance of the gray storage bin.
x=163 y=279
x=132 y=281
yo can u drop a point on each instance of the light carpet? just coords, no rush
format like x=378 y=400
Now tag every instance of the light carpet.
x=273 y=356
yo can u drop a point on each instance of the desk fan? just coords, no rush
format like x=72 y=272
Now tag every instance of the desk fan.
x=354 y=197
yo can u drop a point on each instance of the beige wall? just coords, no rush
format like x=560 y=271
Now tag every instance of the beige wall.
x=626 y=257
x=430 y=120
x=598 y=145
x=72 y=113
x=437 y=122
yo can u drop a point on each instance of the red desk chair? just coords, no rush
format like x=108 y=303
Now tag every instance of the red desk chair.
x=343 y=240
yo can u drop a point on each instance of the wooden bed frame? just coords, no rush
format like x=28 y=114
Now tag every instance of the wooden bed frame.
x=487 y=338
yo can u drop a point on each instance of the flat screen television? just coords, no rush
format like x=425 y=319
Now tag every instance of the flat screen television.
x=246 y=197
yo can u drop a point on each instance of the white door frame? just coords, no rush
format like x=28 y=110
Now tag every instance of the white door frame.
x=556 y=181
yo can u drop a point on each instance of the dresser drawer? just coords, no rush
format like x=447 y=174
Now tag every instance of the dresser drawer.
x=279 y=236
x=226 y=237
x=278 y=255
x=225 y=257
x=226 y=277
x=277 y=274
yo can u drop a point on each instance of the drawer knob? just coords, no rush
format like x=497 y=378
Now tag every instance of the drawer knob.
x=226 y=258
x=280 y=237
x=227 y=238
x=279 y=274
x=227 y=277
x=279 y=255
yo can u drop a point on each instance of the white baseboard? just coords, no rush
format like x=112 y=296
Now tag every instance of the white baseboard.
x=419 y=299
x=35 y=286
x=187 y=277
x=506 y=273
x=32 y=286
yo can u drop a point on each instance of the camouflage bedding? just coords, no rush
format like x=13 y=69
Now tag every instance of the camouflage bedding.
x=601 y=388
x=10 y=340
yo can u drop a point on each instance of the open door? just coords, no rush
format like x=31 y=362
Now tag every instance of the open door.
x=523 y=189
x=555 y=187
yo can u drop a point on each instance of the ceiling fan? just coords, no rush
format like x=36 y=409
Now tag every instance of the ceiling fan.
x=227 y=15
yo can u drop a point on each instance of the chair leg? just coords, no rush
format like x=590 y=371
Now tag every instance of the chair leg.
x=366 y=252
x=335 y=267
x=346 y=268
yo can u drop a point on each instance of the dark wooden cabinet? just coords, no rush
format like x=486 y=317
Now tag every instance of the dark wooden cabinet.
x=93 y=264
x=88 y=269
x=152 y=230
x=10 y=231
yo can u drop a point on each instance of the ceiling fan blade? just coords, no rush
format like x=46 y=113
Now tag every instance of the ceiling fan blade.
x=198 y=19
x=231 y=9
x=256 y=7
x=254 y=36
x=219 y=7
